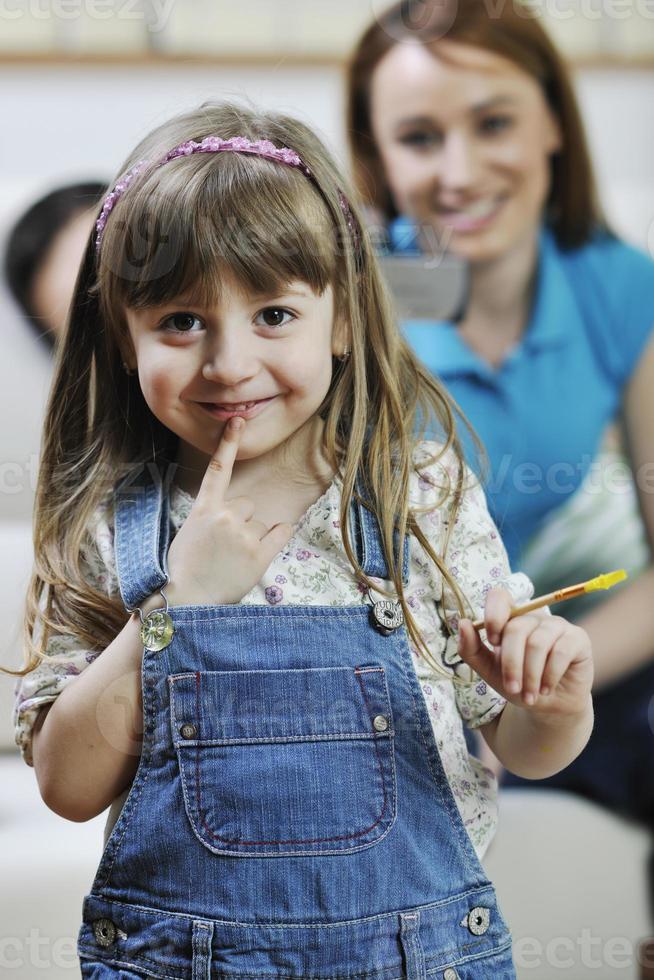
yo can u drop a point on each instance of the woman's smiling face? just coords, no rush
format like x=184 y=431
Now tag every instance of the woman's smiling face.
x=197 y=365
x=465 y=137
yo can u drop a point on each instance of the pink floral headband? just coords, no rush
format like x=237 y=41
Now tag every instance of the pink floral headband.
x=214 y=144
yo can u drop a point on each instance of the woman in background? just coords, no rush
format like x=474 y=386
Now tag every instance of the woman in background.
x=466 y=137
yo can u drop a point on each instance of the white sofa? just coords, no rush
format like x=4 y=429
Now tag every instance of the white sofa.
x=571 y=882
x=46 y=867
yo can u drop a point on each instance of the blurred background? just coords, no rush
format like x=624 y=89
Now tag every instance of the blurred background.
x=81 y=82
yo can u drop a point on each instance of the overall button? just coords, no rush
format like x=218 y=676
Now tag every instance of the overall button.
x=387 y=616
x=450 y=974
x=188 y=731
x=380 y=723
x=104 y=931
x=157 y=630
x=477 y=920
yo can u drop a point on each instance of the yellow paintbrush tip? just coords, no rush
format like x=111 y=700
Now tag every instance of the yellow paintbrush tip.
x=605 y=581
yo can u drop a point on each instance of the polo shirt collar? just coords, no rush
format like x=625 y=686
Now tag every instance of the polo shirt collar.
x=551 y=324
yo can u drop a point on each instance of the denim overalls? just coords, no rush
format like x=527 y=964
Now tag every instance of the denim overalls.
x=289 y=817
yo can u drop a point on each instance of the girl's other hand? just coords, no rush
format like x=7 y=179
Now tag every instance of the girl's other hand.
x=536 y=661
x=221 y=552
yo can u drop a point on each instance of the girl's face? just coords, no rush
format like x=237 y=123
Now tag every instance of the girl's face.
x=266 y=358
x=465 y=140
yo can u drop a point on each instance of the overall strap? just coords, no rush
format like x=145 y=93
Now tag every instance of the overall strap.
x=142 y=534
x=368 y=541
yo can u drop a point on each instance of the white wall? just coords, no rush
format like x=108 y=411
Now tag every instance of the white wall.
x=618 y=109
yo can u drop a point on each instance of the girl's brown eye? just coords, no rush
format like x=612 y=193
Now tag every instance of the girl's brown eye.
x=181 y=322
x=273 y=316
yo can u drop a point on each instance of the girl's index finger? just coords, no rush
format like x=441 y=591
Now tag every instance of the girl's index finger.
x=219 y=471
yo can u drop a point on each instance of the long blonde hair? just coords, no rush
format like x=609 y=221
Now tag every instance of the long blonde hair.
x=175 y=229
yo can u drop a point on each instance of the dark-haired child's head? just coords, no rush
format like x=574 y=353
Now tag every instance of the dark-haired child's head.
x=43 y=253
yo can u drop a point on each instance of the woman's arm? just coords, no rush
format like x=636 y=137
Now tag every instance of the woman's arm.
x=87 y=744
x=621 y=629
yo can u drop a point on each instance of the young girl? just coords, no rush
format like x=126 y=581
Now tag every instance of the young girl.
x=272 y=700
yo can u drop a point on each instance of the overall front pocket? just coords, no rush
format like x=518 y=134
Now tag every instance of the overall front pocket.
x=285 y=762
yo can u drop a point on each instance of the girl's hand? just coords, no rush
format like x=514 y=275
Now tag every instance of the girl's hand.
x=539 y=662
x=220 y=552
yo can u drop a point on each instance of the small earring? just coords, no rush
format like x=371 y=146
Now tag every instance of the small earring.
x=346 y=353
x=128 y=369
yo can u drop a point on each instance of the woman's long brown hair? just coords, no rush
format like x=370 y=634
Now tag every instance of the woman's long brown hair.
x=507 y=28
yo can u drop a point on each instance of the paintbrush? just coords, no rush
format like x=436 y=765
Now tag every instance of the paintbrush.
x=606 y=581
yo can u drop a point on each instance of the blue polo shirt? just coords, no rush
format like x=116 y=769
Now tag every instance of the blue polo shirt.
x=541 y=414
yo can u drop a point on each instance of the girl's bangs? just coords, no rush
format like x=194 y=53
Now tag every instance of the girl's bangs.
x=171 y=239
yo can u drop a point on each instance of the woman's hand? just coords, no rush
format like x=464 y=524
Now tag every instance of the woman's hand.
x=539 y=662
x=220 y=552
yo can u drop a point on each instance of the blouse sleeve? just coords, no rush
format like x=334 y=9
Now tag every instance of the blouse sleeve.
x=477 y=561
x=49 y=678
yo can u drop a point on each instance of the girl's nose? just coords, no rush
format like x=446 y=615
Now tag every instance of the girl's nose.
x=229 y=362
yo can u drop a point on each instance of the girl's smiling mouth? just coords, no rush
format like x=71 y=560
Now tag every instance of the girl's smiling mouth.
x=226 y=410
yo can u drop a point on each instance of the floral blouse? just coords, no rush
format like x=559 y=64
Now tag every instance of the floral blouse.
x=313 y=569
